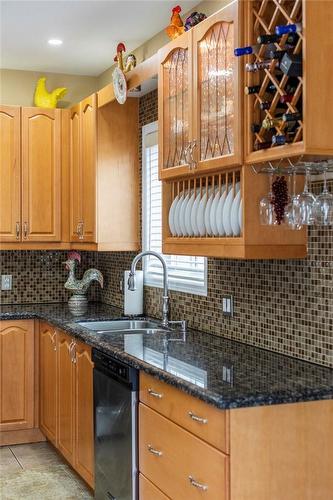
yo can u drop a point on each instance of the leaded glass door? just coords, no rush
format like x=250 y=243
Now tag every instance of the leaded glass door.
x=175 y=106
x=217 y=93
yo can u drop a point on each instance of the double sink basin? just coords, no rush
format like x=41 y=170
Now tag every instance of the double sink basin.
x=123 y=326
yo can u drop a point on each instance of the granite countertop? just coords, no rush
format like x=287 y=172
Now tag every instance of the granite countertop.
x=221 y=372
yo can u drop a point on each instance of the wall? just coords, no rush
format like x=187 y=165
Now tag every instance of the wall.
x=18 y=87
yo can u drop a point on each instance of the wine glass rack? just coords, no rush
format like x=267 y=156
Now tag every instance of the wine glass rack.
x=299 y=168
x=266 y=128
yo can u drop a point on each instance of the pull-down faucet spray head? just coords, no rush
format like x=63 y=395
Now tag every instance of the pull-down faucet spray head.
x=131 y=281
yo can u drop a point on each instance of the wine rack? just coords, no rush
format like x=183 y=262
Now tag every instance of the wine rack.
x=231 y=199
x=275 y=96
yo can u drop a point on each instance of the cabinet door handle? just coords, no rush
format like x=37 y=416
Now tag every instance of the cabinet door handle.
x=200 y=486
x=53 y=340
x=25 y=230
x=201 y=420
x=192 y=163
x=18 y=230
x=152 y=450
x=74 y=353
x=70 y=347
x=186 y=150
x=81 y=230
x=158 y=395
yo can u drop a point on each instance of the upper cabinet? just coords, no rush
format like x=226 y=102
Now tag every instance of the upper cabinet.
x=83 y=137
x=41 y=174
x=200 y=96
x=10 y=173
x=286 y=111
x=104 y=193
x=33 y=178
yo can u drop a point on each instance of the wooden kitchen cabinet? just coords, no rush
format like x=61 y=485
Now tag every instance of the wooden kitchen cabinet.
x=41 y=174
x=286 y=447
x=34 y=178
x=104 y=213
x=84 y=413
x=10 y=173
x=66 y=389
x=48 y=381
x=66 y=396
x=17 y=401
x=200 y=97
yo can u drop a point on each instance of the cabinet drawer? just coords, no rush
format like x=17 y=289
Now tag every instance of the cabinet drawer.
x=148 y=491
x=180 y=464
x=203 y=420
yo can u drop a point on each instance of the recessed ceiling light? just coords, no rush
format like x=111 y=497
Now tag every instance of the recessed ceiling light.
x=55 y=41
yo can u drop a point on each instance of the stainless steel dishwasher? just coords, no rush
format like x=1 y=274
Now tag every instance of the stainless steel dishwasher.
x=115 y=413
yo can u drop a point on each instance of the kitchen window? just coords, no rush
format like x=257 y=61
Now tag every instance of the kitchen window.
x=186 y=274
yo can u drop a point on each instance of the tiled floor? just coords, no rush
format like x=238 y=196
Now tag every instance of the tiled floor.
x=37 y=472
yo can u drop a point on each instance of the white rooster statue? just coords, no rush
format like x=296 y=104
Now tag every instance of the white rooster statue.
x=78 y=302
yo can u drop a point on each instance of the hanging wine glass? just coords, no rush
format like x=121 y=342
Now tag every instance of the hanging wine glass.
x=307 y=200
x=293 y=212
x=323 y=207
x=266 y=209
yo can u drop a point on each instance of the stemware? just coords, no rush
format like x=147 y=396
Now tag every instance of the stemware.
x=266 y=209
x=323 y=207
x=292 y=211
x=306 y=201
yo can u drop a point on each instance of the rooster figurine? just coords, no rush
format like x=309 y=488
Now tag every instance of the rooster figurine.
x=130 y=62
x=78 y=302
x=176 y=26
x=45 y=99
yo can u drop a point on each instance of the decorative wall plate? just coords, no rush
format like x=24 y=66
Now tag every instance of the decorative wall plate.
x=119 y=85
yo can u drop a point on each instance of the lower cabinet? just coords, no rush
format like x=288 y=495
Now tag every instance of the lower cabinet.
x=147 y=491
x=66 y=407
x=17 y=378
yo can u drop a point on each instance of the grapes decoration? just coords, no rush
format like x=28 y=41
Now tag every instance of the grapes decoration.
x=280 y=197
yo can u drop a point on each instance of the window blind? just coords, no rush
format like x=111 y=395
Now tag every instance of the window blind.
x=186 y=273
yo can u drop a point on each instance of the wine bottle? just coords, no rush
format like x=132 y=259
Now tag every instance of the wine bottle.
x=291 y=117
x=285 y=29
x=269 y=123
x=291 y=40
x=253 y=49
x=291 y=64
x=280 y=140
x=257 y=66
x=255 y=128
x=262 y=145
x=267 y=104
x=286 y=98
x=254 y=89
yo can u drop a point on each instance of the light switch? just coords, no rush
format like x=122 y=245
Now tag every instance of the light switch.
x=228 y=305
x=6 y=282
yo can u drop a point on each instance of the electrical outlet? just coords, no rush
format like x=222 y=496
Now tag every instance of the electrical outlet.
x=6 y=282
x=228 y=305
x=228 y=374
x=121 y=286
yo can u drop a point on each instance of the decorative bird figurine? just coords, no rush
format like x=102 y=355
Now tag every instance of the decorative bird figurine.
x=119 y=58
x=176 y=26
x=80 y=287
x=45 y=99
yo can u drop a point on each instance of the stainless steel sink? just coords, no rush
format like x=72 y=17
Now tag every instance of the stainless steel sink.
x=128 y=326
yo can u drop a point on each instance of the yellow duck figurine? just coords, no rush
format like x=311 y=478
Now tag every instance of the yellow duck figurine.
x=45 y=99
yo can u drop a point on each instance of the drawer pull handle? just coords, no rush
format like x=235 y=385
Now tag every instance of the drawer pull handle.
x=152 y=450
x=195 y=483
x=155 y=394
x=198 y=419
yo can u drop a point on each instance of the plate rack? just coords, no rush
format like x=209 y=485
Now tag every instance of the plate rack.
x=274 y=86
x=252 y=241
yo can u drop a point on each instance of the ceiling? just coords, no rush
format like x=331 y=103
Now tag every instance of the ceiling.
x=90 y=31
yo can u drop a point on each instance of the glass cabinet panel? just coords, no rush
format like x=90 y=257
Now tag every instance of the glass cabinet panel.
x=216 y=91
x=175 y=71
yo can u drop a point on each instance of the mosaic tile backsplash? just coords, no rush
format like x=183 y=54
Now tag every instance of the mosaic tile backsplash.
x=283 y=306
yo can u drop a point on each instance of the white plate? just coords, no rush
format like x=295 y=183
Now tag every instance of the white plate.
x=240 y=216
x=201 y=215
x=176 y=214
x=234 y=214
x=194 y=213
x=227 y=210
x=188 y=225
x=219 y=212
x=213 y=209
x=208 y=207
x=171 y=216
x=182 y=215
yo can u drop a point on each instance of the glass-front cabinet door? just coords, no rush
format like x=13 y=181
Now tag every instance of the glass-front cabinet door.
x=175 y=106
x=217 y=93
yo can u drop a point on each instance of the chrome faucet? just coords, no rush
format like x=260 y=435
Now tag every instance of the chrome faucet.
x=131 y=282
